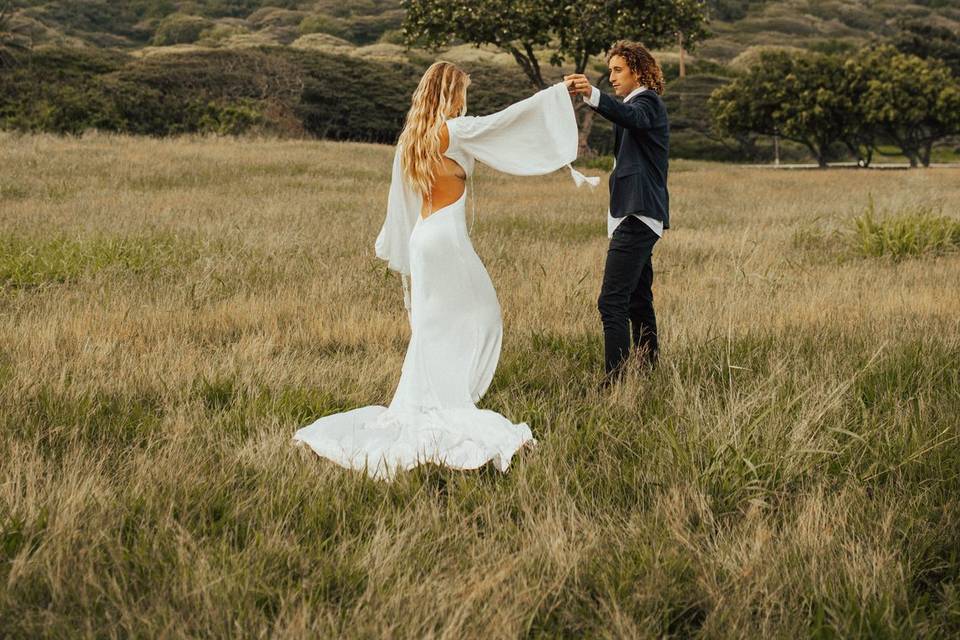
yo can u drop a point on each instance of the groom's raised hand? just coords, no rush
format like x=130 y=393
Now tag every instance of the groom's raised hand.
x=577 y=84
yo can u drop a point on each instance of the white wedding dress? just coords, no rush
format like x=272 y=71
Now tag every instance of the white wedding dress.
x=455 y=323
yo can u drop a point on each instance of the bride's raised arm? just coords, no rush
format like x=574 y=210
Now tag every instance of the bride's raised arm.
x=534 y=136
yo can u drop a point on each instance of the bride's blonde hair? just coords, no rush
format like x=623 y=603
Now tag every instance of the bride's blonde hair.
x=441 y=94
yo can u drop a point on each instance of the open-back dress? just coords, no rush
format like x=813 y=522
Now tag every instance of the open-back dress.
x=456 y=329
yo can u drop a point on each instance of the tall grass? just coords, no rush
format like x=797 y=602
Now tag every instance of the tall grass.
x=171 y=311
x=913 y=233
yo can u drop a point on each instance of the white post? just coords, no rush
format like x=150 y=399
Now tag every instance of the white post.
x=683 y=66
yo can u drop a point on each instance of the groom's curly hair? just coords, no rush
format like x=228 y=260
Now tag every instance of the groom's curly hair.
x=640 y=61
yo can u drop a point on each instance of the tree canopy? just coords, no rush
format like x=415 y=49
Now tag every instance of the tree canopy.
x=820 y=100
x=577 y=30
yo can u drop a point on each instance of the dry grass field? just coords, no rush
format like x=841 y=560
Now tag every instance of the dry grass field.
x=171 y=311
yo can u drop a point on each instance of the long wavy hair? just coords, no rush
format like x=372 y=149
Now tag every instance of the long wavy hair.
x=441 y=94
x=641 y=62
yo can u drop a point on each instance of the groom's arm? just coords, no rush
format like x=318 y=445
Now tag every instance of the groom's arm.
x=639 y=114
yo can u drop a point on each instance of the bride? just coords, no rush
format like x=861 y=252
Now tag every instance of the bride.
x=455 y=322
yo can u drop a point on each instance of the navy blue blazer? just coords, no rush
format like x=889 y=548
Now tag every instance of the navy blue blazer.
x=641 y=132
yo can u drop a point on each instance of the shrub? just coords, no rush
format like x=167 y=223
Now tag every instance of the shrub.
x=382 y=52
x=493 y=87
x=913 y=233
x=274 y=17
x=694 y=66
x=373 y=97
x=751 y=56
x=368 y=29
x=172 y=93
x=862 y=17
x=731 y=9
x=782 y=25
x=180 y=29
x=83 y=19
x=230 y=119
x=283 y=90
x=359 y=29
x=220 y=32
x=324 y=24
x=393 y=36
x=344 y=98
x=832 y=46
x=57 y=89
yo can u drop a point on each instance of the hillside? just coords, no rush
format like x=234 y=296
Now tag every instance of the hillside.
x=364 y=37
x=824 y=25
x=370 y=28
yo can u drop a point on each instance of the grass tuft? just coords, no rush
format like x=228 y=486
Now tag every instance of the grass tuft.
x=26 y=263
x=919 y=231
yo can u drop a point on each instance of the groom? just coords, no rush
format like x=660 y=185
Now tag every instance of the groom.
x=639 y=201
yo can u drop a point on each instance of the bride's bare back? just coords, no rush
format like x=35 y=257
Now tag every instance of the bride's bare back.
x=450 y=181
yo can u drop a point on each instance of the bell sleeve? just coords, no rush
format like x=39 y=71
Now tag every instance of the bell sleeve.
x=403 y=207
x=534 y=136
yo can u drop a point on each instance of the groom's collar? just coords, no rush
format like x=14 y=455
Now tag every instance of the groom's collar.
x=634 y=93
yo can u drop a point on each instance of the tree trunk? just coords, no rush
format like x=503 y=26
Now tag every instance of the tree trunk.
x=910 y=147
x=819 y=153
x=862 y=151
x=747 y=145
x=586 y=114
x=586 y=125
x=925 y=153
x=530 y=67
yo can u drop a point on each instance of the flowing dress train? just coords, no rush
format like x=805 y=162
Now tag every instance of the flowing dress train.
x=455 y=321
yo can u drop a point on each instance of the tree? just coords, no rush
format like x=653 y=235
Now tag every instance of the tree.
x=821 y=108
x=913 y=102
x=691 y=125
x=575 y=30
x=926 y=40
x=801 y=98
x=818 y=99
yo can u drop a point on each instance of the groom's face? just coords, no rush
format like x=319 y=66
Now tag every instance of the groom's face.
x=622 y=78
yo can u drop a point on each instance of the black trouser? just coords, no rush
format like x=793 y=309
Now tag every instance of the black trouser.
x=627 y=295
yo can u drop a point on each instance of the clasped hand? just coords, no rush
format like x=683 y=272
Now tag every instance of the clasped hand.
x=577 y=84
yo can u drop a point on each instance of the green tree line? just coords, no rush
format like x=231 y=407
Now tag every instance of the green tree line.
x=272 y=89
x=830 y=105
x=853 y=103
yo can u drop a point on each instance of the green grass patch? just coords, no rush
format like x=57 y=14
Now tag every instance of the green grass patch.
x=237 y=409
x=12 y=191
x=28 y=263
x=920 y=231
x=912 y=232
x=59 y=421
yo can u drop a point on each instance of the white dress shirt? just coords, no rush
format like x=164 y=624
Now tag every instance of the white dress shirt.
x=612 y=223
